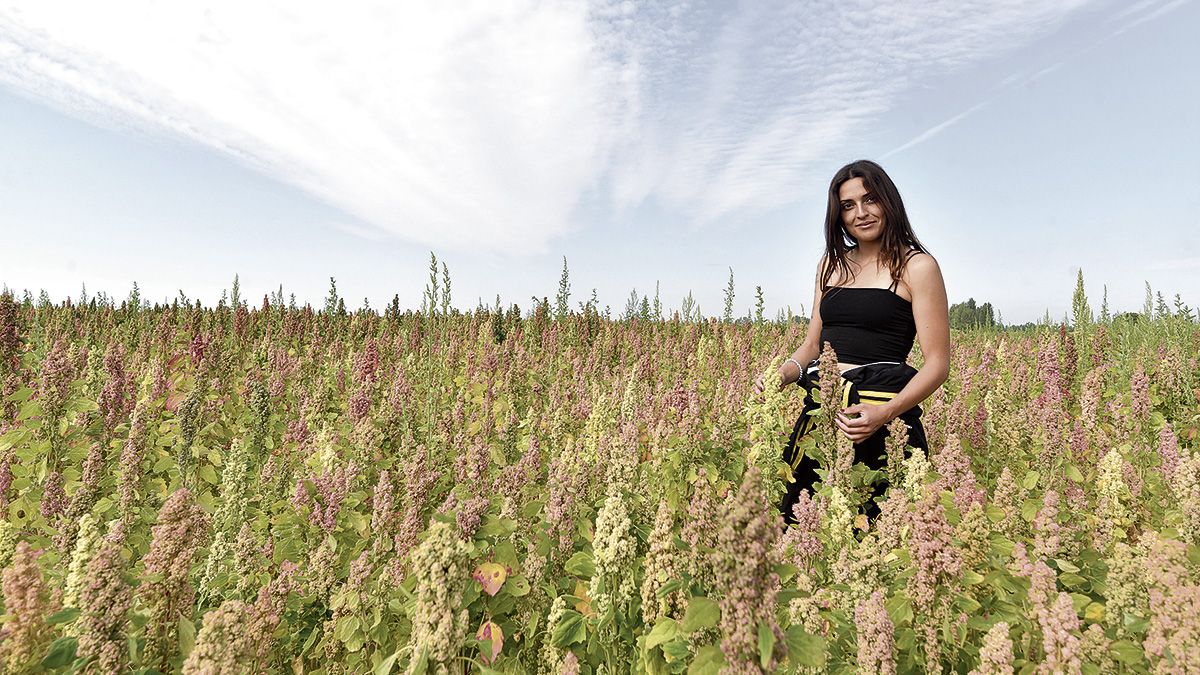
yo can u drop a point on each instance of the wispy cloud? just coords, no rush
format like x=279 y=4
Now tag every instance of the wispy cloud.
x=936 y=129
x=483 y=124
x=1175 y=264
x=1142 y=11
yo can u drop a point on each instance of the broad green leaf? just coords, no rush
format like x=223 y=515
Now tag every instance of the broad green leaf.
x=421 y=664
x=346 y=627
x=709 y=661
x=665 y=630
x=570 y=630
x=61 y=652
x=66 y=615
x=1031 y=480
x=385 y=666
x=701 y=613
x=208 y=474
x=517 y=586
x=187 y=637
x=805 y=649
x=899 y=608
x=766 y=644
x=670 y=587
x=1065 y=565
x=1126 y=652
x=581 y=565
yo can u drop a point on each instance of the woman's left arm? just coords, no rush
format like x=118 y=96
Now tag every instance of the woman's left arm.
x=932 y=316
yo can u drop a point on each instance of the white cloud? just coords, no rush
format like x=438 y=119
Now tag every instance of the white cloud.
x=482 y=124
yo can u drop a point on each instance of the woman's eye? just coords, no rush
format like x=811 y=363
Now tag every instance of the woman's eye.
x=869 y=200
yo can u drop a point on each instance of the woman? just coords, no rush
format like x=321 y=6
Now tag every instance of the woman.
x=876 y=288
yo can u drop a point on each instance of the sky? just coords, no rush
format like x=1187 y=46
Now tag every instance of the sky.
x=651 y=144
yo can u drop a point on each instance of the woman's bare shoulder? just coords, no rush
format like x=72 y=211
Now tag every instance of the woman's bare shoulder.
x=921 y=263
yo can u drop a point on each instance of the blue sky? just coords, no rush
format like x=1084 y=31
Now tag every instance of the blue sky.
x=647 y=142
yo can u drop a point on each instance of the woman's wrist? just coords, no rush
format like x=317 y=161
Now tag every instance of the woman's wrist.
x=784 y=370
x=889 y=411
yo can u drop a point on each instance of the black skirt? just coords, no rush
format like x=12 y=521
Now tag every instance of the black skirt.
x=873 y=383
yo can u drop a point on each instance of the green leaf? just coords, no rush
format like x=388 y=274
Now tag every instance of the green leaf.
x=766 y=644
x=570 y=630
x=517 y=586
x=581 y=565
x=385 y=666
x=66 y=615
x=1065 y=566
x=664 y=631
x=187 y=637
x=61 y=652
x=1030 y=508
x=422 y=663
x=971 y=578
x=701 y=613
x=346 y=628
x=1031 y=480
x=805 y=649
x=786 y=570
x=709 y=661
x=1074 y=473
x=669 y=587
x=899 y=608
x=29 y=409
x=1126 y=652
x=207 y=474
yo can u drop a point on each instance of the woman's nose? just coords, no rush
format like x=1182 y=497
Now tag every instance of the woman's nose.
x=860 y=211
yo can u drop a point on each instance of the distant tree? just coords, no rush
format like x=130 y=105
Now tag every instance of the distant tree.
x=631 y=305
x=1128 y=317
x=728 y=315
x=969 y=315
x=445 y=290
x=1079 y=304
x=429 y=301
x=562 y=304
x=237 y=293
x=688 y=309
x=331 y=300
x=1161 y=310
x=134 y=303
x=1181 y=310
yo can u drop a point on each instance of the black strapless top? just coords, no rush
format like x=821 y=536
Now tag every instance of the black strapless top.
x=866 y=325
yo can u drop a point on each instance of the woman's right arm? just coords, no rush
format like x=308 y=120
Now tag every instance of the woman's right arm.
x=811 y=348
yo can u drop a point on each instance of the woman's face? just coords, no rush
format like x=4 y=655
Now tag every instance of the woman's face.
x=862 y=214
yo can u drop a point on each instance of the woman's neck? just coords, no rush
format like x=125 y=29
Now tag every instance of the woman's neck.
x=867 y=253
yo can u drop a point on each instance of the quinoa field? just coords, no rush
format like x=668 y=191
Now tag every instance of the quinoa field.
x=265 y=488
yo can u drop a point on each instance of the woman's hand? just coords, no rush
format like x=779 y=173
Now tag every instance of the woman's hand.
x=759 y=387
x=869 y=420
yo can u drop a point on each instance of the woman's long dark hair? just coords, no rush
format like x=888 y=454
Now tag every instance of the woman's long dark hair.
x=898 y=237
